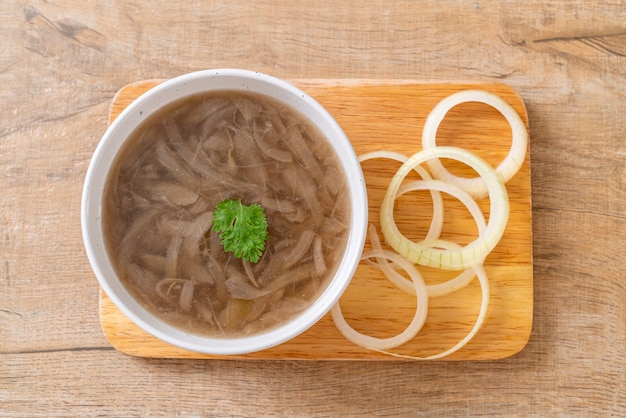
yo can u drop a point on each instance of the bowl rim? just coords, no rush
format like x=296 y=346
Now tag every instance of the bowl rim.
x=133 y=116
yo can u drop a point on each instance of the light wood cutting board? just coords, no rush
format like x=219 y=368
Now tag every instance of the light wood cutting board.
x=389 y=115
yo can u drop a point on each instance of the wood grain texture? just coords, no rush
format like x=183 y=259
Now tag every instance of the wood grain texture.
x=389 y=115
x=62 y=62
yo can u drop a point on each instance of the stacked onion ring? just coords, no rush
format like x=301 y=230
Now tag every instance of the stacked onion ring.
x=433 y=251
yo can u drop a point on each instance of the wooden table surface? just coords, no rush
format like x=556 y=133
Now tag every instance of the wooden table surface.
x=62 y=62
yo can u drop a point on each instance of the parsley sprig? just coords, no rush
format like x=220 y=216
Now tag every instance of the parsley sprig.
x=242 y=229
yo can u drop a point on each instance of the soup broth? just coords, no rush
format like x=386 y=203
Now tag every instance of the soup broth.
x=171 y=175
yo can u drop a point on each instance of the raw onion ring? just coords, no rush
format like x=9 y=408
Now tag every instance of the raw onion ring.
x=436 y=224
x=433 y=251
x=416 y=323
x=482 y=314
x=433 y=290
x=506 y=169
x=451 y=259
x=456 y=283
x=463 y=279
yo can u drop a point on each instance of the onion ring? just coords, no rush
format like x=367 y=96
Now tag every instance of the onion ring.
x=418 y=319
x=452 y=259
x=436 y=224
x=506 y=169
x=482 y=314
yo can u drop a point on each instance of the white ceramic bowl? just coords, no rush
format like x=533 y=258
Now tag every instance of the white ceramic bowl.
x=131 y=118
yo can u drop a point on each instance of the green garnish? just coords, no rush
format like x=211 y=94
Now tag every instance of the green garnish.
x=242 y=229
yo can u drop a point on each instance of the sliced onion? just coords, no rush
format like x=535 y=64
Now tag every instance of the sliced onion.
x=436 y=224
x=247 y=267
x=434 y=186
x=171 y=259
x=482 y=314
x=165 y=286
x=476 y=186
x=452 y=190
x=239 y=286
x=433 y=290
x=433 y=251
x=174 y=194
x=468 y=275
x=450 y=259
x=186 y=295
x=318 y=256
x=299 y=249
x=418 y=319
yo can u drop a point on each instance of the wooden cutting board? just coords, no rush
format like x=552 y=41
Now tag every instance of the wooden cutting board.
x=389 y=115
